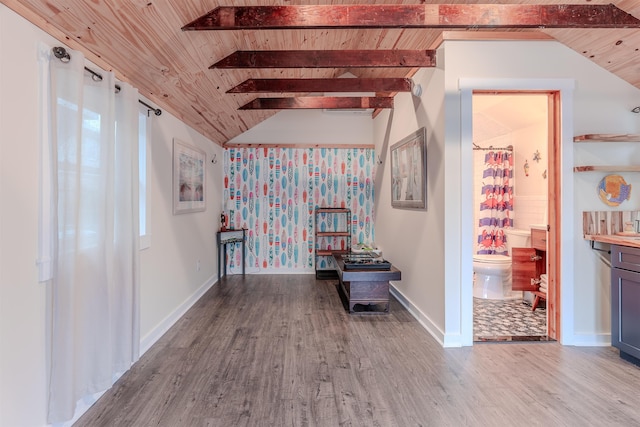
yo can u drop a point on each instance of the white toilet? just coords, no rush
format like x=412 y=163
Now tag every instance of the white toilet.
x=492 y=273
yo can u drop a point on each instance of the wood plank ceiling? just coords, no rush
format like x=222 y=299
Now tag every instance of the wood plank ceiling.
x=143 y=42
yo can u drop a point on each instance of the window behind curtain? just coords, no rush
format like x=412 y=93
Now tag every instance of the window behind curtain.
x=85 y=159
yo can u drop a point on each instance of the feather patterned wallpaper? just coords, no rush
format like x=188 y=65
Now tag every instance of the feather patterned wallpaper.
x=273 y=193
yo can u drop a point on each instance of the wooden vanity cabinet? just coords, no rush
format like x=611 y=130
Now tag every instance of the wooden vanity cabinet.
x=625 y=301
x=527 y=264
x=539 y=239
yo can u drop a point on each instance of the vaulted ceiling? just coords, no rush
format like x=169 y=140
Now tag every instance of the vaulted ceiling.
x=143 y=42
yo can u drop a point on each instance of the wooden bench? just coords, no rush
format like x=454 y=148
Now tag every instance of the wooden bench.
x=367 y=288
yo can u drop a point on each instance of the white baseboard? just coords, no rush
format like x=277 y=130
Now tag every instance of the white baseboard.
x=590 y=340
x=271 y=270
x=578 y=340
x=424 y=320
x=148 y=340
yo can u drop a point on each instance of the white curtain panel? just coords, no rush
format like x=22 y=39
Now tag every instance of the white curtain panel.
x=46 y=217
x=94 y=286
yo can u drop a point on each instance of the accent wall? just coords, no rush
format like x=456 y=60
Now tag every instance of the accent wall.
x=273 y=193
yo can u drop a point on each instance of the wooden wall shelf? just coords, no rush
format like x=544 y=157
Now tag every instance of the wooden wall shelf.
x=632 y=168
x=607 y=137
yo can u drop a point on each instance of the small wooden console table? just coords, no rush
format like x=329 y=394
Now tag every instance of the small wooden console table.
x=229 y=237
x=368 y=288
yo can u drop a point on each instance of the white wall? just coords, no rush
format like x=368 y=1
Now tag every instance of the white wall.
x=170 y=281
x=530 y=200
x=602 y=105
x=592 y=296
x=22 y=298
x=310 y=127
x=414 y=240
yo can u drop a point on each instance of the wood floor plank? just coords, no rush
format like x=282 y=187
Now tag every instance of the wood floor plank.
x=280 y=350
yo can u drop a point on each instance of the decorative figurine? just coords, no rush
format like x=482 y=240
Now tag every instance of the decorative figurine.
x=526 y=168
x=536 y=156
x=544 y=174
x=223 y=222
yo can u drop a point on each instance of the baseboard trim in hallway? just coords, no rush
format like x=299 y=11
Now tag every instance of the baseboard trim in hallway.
x=156 y=333
x=423 y=319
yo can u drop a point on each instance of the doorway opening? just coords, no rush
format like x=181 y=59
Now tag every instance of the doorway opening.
x=516 y=203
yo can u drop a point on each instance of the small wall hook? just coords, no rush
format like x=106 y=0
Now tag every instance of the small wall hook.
x=214 y=160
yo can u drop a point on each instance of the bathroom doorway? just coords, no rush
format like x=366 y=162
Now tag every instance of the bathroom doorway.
x=519 y=130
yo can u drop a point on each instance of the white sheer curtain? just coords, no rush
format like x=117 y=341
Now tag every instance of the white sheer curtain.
x=94 y=285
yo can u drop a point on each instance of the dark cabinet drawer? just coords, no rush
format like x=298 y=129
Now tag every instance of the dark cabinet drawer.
x=625 y=257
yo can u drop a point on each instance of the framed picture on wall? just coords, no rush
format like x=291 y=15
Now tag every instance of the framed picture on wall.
x=188 y=178
x=409 y=172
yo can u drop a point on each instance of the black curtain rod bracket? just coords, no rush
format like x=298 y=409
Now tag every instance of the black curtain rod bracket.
x=62 y=54
x=156 y=111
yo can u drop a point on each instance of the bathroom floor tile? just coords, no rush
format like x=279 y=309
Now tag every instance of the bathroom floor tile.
x=512 y=320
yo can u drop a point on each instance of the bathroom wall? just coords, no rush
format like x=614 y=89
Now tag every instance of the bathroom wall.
x=496 y=123
x=531 y=188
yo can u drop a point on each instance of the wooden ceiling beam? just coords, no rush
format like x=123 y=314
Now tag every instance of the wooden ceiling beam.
x=469 y=16
x=324 y=85
x=318 y=102
x=328 y=59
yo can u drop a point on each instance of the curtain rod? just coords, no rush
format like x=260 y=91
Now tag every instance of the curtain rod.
x=477 y=147
x=62 y=54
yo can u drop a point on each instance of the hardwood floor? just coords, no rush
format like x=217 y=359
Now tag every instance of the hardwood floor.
x=280 y=350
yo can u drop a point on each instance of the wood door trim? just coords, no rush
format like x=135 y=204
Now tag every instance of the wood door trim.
x=554 y=253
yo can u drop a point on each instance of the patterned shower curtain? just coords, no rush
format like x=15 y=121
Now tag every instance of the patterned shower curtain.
x=495 y=210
